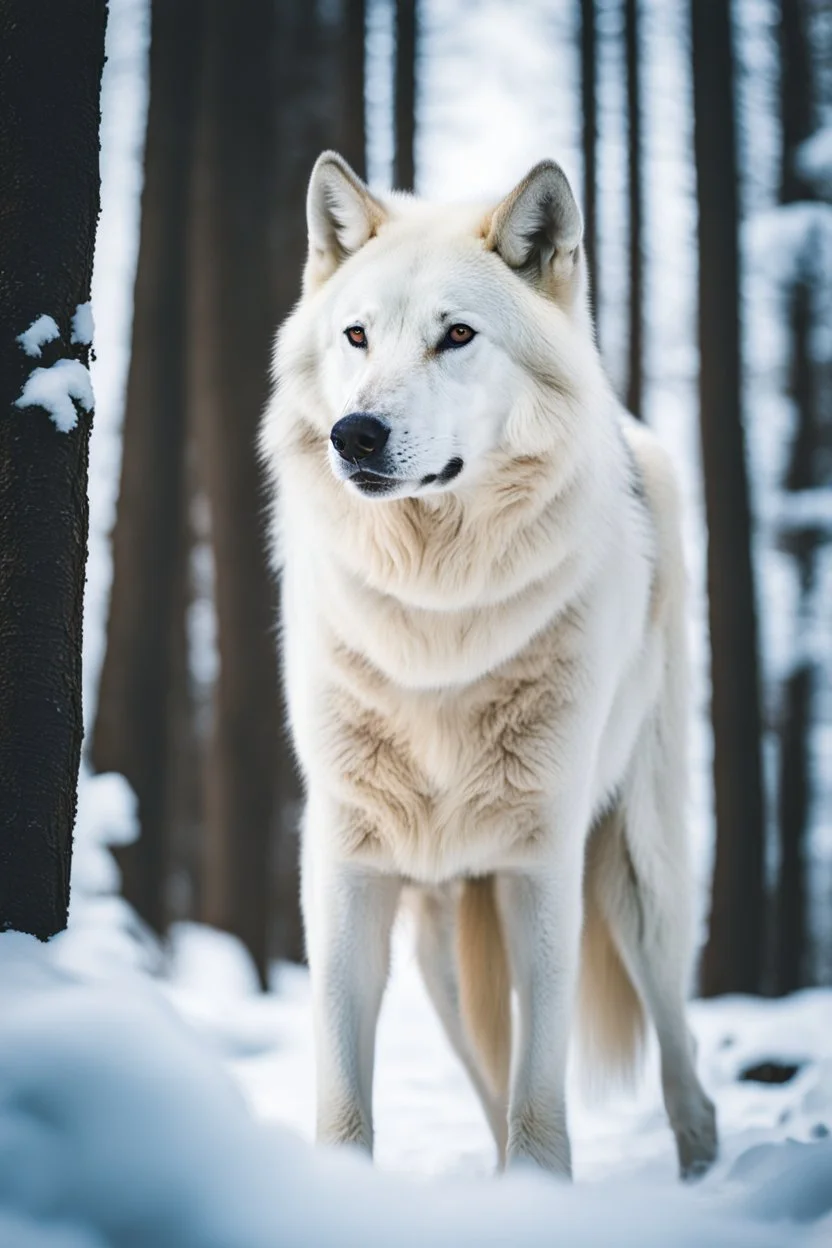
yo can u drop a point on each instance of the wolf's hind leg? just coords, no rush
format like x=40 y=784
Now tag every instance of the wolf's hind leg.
x=643 y=889
x=435 y=912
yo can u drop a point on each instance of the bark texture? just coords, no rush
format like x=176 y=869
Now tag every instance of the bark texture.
x=794 y=790
x=237 y=257
x=144 y=672
x=404 y=165
x=589 y=144
x=635 y=187
x=311 y=52
x=791 y=925
x=352 y=137
x=733 y=959
x=50 y=86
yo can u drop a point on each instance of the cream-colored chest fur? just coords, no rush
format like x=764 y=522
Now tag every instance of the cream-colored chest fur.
x=445 y=737
x=438 y=783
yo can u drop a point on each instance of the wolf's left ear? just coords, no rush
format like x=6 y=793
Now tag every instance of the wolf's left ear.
x=341 y=216
x=537 y=229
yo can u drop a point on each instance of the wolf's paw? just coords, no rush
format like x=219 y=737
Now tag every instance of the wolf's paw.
x=340 y=1123
x=696 y=1142
x=539 y=1143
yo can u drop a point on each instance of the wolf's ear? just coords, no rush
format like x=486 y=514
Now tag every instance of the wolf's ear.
x=537 y=229
x=341 y=215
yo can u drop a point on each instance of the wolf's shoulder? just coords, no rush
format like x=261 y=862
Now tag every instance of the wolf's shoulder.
x=654 y=475
x=661 y=498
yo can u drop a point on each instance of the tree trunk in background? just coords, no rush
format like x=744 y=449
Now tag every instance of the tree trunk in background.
x=184 y=799
x=796 y=697
x=733 y=956
x=272 y=98
x=50 y=87
x=794 y=784
x=635 y=362
x=793 y=812
x=311 y=47
x=232 y=323
x=795 y=98
x=144 y=673
x=404 y=166
x=589 y=115
x=352 y=137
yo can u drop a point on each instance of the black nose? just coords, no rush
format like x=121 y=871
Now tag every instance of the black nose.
x=358 y=436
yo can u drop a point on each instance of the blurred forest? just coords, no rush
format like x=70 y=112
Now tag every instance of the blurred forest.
x=243 y=98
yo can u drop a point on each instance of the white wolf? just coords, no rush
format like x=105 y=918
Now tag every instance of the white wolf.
x=483 y=609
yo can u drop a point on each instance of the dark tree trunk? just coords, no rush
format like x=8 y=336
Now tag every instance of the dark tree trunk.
x=310 y=46
x=793 y=813
x=802 y=472
x=237 y=260
x=183 y=828
x=635 y=188
x=733 y=956
x=352 y=138
x=794 y=789
x=138 y=722
x=795 y=98
x=50 y=86
x=404 y=166
x=794 y=771
x=589 y=115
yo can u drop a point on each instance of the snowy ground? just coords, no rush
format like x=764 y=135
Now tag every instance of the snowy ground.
x=151 y=1098
x=122 y=1123
x=427 y=1117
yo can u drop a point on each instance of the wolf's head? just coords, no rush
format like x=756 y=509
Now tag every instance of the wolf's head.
x=428 y=322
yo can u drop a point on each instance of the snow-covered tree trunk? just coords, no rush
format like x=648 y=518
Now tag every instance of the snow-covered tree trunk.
x=50 y=85
x=733 y=957
x=143 y=673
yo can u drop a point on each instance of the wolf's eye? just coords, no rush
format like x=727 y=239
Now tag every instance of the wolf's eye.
x=457 y=336
x=356 y=336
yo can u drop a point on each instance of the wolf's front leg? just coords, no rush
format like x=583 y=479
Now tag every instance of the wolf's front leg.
x=349 y=912
x=542 y=913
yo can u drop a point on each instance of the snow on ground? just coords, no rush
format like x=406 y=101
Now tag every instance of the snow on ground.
x=428 y=1120
x=169 y=1110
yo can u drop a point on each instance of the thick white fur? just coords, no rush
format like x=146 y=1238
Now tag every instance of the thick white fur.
x=480 y=673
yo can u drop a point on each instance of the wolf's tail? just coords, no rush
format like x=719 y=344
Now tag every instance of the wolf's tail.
x=610 y=1024
x=484 y=981
x=610 y=1017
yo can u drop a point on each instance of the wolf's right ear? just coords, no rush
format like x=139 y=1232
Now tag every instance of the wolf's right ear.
x=341 y=216
x=537 y=230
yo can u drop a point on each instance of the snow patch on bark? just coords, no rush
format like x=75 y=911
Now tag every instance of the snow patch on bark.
x=43 y=330
x=83 y=325
x=55 y=388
